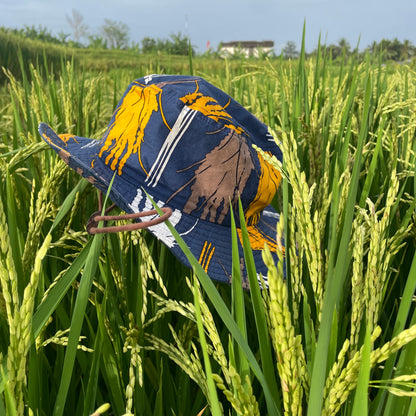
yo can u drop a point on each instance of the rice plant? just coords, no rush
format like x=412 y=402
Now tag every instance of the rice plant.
x=115 y=323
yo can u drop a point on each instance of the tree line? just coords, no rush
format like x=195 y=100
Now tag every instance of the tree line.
x=111 y=35
x=389 y=50
x=115 y=35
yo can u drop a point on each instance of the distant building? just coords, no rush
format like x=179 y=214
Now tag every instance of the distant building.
x=248 y=48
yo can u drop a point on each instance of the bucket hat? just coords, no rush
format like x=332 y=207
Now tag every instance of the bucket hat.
x=189 y=146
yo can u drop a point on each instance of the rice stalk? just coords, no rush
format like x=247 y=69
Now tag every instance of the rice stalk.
x=40 y=211
x=345 y=383
x=336 y=368
x=67 y=92
x=340 y=104
x=295 y=257
x=378 y=255
x=148 y=270
x=188 y=310
x=190 y=362
x=38 y=97
x=18 y=95
x=8 y=274
x=291 y=362
x=91 y=105
x=310 y=233
x=405 y=385
x=385 y=99
x=20 y=338
x=169 y=305
x=24 y=153
x=357 y=281
x=8 y=280
x=344 y=184
x=342 y=380
x=324 y=196
x=241 y=398
x=136 y=366
x=60 y=338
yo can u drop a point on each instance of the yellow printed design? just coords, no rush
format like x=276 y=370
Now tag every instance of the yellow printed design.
x=67 y=137
x=125 y=134
x=258 y=239
x=268 y=183
x=206 y=255
x=209 y=107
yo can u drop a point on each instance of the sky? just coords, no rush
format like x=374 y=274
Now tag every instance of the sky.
x=359 y=21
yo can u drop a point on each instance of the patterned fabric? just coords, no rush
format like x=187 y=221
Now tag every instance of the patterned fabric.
x=189 y=146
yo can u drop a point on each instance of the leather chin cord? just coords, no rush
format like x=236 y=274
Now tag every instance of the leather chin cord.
x=96 y=217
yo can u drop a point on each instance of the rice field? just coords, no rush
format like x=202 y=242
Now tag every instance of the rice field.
x=116 y=325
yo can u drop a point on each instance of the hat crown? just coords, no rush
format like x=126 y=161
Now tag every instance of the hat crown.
x=190 y=144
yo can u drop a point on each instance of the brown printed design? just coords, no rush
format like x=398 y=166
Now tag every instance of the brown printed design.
x=222 y=175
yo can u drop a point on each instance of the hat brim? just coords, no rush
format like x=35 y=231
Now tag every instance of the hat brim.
x=209 y=242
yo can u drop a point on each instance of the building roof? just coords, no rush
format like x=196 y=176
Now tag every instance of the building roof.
x=249 y=44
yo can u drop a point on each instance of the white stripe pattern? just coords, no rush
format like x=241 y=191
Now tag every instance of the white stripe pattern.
x=181 y=125
x=161 y=230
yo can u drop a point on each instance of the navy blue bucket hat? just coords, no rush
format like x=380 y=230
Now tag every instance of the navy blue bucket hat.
x=188 y=145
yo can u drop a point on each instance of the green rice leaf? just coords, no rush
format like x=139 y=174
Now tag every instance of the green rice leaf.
x=237 y=303
x=76 y=322
x=266 y=351
x=109 y=368
x=10 y=403
x=212 y=391
x=92 y=386
x=360 y=405
x=68 y=203
x=58 y=292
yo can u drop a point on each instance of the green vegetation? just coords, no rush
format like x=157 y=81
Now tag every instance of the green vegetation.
x=37 y=52
x=86 y=321
x=114 y=35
